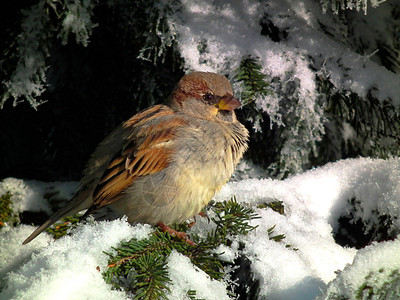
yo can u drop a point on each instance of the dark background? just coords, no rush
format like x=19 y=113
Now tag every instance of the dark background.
x=91 y=91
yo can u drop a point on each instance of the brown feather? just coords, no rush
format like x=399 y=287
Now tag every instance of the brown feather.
x=146 y=151
x=148 y=115
x=110 y=173
x=112 y=190
x=115 y=162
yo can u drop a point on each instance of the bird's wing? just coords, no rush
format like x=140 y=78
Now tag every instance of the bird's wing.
x=147 y=150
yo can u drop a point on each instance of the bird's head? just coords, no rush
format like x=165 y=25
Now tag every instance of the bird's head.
x=205 y=95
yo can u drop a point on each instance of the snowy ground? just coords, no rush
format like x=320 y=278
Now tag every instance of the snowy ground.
x=314 y=201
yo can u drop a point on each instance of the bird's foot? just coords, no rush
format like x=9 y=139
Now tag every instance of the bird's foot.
x=179 y=234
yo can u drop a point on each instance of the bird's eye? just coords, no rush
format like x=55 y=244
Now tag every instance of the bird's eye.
x=208 y=97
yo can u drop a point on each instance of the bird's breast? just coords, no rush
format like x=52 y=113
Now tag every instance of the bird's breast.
x=207 y=153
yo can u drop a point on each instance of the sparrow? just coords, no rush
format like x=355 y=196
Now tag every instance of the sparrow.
x=164 y=164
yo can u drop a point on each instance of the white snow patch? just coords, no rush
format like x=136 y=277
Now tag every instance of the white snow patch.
x=30 y=195
x=185 y=276
x=377 y=262
x=66 y=268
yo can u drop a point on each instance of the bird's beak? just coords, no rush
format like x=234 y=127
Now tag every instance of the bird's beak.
x=228 y=102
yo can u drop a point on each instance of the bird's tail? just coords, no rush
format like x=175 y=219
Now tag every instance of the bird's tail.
x=79 y=202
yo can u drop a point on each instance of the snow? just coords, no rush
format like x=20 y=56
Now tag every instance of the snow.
x=186 y=277
x=78 y=21
x=307 y=268
x=381 y=259
x=29 y=78
x=12 y=254
x=30 y=195
x=66 y=268
x=28 y=82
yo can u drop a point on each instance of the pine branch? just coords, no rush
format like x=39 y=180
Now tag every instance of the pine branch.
x=63 y=226
x=139 y=266
x=376 y=125
x=254 y=82
x=26 y=58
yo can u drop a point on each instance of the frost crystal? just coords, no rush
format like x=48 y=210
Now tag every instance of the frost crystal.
x=78 y=21
x=28 y=80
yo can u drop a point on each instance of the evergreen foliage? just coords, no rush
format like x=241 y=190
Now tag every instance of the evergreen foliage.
x=373 y=287
x=139 y=266
x=357 y=126
x=291 y=130
x=255 y=84
x=191 y=294
x=287 y=147
x=389 y=289
x=340 y=5
x=99 y=62
x=276 y=238
x=354 y=231
x=142 y=26
x=253 y=88
x=275 y=206
x=7 y=215
x=338 y=125
x=143 y=31
x=41 y=23
x=63 y=226
x=380 y=284
x=126 y=66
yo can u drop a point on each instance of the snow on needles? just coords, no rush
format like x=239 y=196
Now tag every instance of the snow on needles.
x=377 y=263
x=214 y=36
x=303 y=266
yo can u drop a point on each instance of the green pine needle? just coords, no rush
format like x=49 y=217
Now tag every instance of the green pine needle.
x=7 y=214
x=139 y=266
x=192 y=295
x=61 y=228
x=253 y=80
x=275 y=206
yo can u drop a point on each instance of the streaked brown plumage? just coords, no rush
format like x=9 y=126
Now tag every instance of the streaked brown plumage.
x=165 y=163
